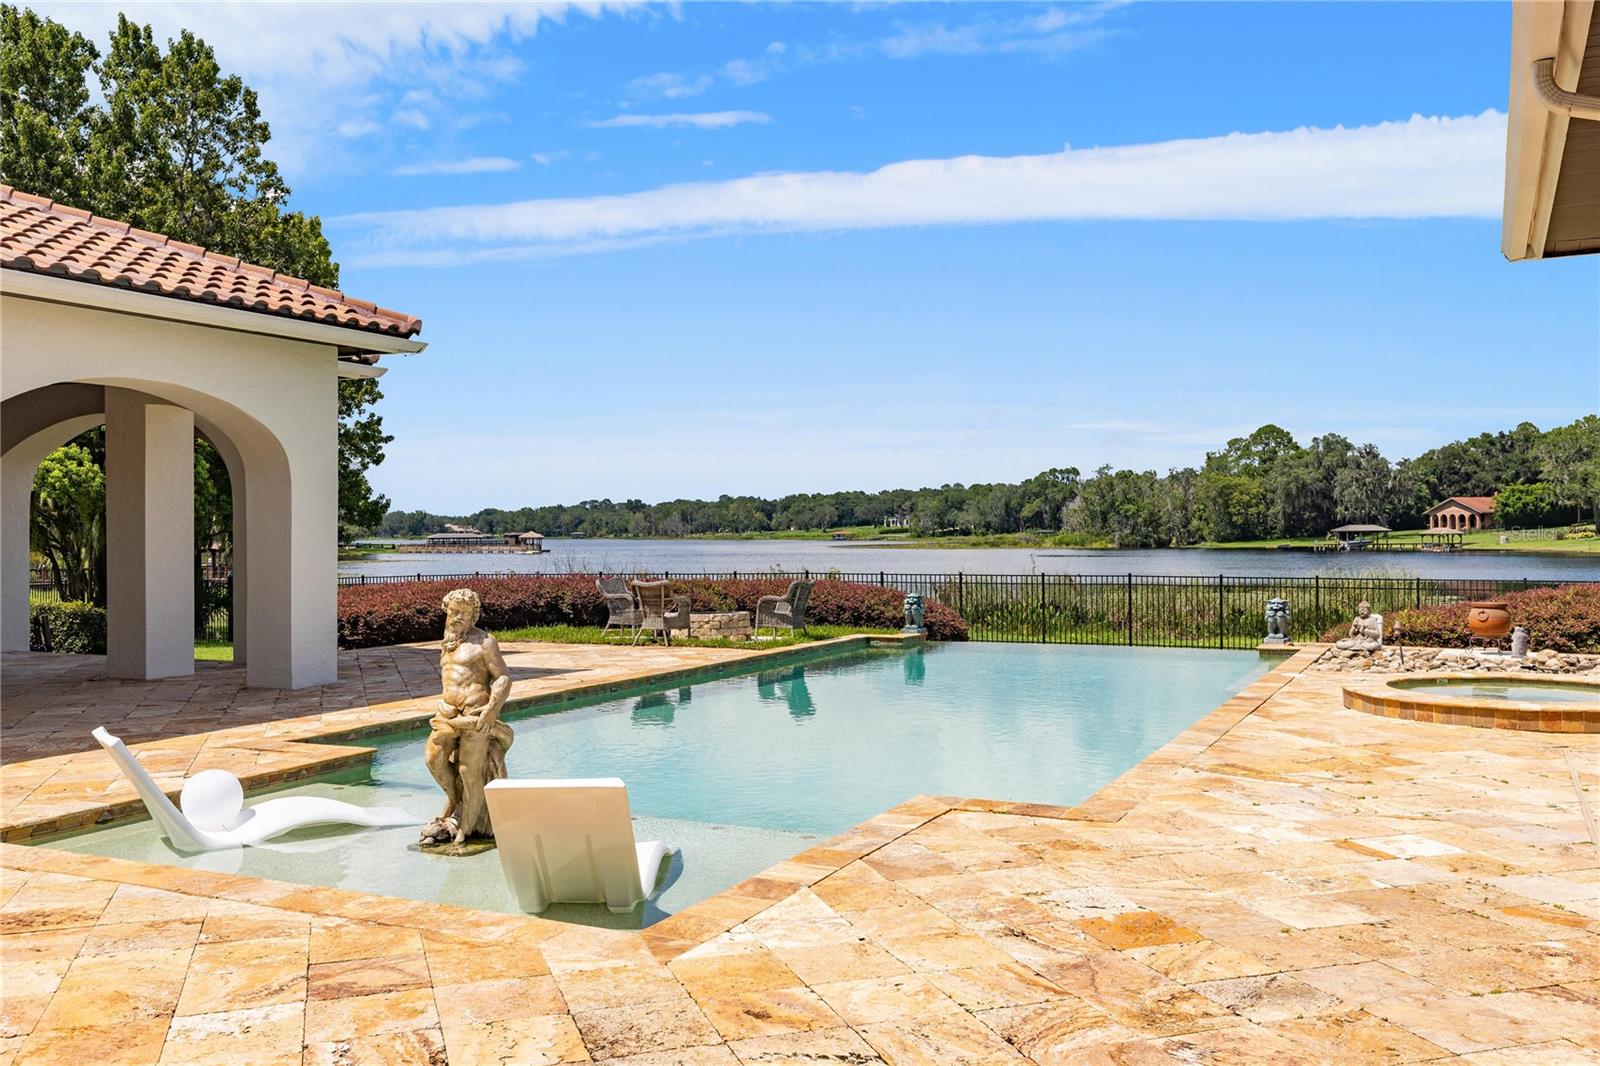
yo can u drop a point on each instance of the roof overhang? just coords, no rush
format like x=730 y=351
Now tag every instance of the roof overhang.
x=1552 y=193
x=348 y=341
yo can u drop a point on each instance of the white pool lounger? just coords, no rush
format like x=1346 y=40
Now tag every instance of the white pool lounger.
x=571 y=841
x=214 y=816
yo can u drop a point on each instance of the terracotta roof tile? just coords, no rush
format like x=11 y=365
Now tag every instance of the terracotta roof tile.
x=44 y=237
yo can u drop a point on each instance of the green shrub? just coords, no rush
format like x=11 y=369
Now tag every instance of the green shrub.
x=1565 y=619
x=72 y=627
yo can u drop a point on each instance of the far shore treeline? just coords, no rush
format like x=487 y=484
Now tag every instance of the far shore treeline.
x=1265 y=485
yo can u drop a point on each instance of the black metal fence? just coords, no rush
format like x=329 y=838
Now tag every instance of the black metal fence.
x=1131 y=609
x=213 y=616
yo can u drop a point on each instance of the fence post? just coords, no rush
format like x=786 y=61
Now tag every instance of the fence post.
x=880 y=579
x=1042 y=631
x=1130 y=610
x=1220 y=611
x=230 y=607
x=961 y=593
x=1316 y=612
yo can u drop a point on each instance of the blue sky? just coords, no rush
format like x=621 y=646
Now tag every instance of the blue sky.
x=716 y=248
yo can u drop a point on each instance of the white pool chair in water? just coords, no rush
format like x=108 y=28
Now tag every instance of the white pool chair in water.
x=214 y=815
x=571 y=841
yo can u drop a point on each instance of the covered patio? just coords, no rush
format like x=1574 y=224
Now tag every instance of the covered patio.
x=157 y=341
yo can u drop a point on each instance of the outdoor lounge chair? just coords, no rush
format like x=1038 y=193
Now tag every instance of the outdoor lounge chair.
x=571 y=842
x=787 y=611
x=214 y=816
x=654 y=598
x=621 y=608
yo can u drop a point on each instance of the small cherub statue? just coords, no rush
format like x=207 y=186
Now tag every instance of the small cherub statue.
x=1366 y=630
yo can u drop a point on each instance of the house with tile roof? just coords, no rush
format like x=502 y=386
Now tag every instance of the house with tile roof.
x=158 y=340
x=1462 y=512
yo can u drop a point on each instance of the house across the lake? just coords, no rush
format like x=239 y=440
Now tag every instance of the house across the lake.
x=1462 y=512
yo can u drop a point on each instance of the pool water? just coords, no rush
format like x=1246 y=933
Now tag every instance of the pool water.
x=742 y=772
x=1529 y=691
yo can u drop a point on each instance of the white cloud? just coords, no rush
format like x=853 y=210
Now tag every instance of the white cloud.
x=410 y=116
x=704 y=120
x=669 y=85
x=1419 y=168
x=544 y=159
x=312 y=65
x=1052 y=32
x=357 y=127
x=483 y=164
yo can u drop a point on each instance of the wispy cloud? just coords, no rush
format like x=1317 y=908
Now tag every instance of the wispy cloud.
x=545 y=159
x=482 y=164
x=669 y=85
x=340 y=68
x=1051 y=33
x=1419 y=168
x=704 y=120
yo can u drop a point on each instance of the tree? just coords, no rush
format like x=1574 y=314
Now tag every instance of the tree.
x=1570 y=456
x=176 y=147
x=361 y=441
x=44 y=105
x=1364 y=488
x=68 y=521
x=1517 y=506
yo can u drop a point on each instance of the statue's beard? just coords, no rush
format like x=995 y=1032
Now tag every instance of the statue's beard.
x=453 y=637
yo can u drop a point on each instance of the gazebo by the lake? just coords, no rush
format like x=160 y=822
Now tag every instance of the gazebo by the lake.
x=157 y=341
x=1358 y=535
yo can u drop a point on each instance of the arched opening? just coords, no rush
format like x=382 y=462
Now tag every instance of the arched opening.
x=149 y=590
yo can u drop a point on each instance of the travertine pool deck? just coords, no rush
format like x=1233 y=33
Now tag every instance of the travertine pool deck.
x=1287 y=882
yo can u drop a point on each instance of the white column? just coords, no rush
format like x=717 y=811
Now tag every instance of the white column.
x=289 y=553
x=16 y=482
x=149 y=537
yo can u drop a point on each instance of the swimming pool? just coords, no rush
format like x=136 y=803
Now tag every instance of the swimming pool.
x=742 y=772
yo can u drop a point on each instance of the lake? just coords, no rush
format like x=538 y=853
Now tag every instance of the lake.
x=723 y=556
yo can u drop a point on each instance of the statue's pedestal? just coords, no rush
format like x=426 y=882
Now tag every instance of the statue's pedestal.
x=450 y=849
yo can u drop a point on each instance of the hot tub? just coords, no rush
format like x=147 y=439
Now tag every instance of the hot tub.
x=1563 y=705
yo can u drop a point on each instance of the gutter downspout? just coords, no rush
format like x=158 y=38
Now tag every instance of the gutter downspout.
x=1558 y=100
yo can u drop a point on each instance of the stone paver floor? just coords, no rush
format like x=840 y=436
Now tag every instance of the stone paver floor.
x=1288 y=882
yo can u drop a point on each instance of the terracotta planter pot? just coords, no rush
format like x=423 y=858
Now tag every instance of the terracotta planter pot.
x=1489 y=620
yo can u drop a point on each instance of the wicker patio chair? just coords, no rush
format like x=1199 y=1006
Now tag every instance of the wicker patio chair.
x=784 y=612
x=662 y=611
x=621 y=609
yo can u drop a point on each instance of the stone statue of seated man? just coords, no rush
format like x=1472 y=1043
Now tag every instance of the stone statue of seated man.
x=1366 y=630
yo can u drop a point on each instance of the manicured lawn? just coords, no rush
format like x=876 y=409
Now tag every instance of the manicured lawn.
x=596 y=635
x=218 y=651
x=1481 y=540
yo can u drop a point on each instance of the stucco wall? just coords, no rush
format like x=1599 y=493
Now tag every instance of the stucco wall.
x=276 y=403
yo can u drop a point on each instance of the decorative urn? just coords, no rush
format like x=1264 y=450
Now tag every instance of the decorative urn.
x=1489 y=620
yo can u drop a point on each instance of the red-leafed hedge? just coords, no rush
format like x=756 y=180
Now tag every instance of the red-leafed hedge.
x=402 y=613
x=1565 y=619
